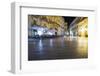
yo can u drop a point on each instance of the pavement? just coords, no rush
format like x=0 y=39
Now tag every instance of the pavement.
x=58 y=48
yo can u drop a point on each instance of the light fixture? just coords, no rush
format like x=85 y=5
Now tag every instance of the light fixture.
x=40 y=33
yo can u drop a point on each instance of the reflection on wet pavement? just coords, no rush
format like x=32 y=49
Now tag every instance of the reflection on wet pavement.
x=58 y=48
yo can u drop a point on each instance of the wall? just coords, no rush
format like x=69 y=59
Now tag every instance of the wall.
x=5 y=33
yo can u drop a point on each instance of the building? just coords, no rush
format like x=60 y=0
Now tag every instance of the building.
x=79 y=27
x=45 y=25
x=41 y=31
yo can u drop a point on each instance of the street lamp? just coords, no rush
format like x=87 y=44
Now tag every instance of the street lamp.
x=40 y=33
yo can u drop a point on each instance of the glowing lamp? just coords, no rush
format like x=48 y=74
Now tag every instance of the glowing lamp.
x=40 y=33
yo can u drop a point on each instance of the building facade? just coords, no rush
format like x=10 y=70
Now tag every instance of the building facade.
x=53 y=25
x=79 y=27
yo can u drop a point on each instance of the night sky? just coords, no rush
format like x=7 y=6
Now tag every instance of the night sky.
x=69 y=19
